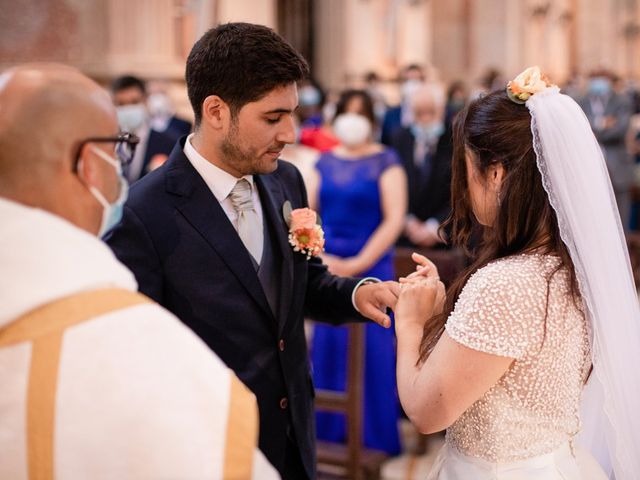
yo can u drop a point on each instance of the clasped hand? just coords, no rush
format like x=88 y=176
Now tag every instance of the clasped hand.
x=414 y=299
x=422 y=294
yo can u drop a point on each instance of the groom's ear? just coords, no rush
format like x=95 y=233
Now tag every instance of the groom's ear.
x=215 y=112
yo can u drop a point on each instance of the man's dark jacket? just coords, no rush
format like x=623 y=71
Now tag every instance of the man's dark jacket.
x=187 y=256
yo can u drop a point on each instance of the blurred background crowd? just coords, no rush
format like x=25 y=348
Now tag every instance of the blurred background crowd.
x=374 y=123
x=388 y=49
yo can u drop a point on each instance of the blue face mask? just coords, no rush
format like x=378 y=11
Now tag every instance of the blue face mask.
x=599 y=86
x=112 y=212
x=429 y=132
x=309 y=96
x=456 y=104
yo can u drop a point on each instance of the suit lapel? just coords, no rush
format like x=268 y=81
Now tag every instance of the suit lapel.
x=203 y=211
x=272 y=199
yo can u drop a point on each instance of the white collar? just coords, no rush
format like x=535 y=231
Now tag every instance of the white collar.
x=219 y=182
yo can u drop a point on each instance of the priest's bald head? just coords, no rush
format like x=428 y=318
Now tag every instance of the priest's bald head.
x=59 y=134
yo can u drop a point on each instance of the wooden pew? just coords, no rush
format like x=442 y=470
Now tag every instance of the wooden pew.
x=351 y=460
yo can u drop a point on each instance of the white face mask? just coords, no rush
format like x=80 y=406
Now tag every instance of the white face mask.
x=409 y=88
x=352 y=129
x=112 y=212
x=159 y=105
x=131 y=117
x=429 y=132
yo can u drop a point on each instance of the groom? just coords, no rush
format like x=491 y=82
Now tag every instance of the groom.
x=206 y=236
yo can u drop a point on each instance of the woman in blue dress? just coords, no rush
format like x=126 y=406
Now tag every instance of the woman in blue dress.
x=360 y=191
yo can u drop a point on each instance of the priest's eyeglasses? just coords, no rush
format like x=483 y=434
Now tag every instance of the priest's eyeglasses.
x=125 y=148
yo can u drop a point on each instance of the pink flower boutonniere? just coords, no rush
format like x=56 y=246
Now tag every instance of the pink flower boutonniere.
x=305 y=233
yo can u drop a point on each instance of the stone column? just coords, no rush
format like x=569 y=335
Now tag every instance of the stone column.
x=364 y=39
x=252 y=11
x=356 y=36
x=330 y=42
x=416 y=33
x=488 y=37
x=142 y=38
x=450 y=42
x=630 y=39
x=596 y=33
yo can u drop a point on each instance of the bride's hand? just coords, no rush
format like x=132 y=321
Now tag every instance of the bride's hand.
x=420 y=298
x=424 y=268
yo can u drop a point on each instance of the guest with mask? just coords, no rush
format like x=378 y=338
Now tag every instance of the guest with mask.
x=425 y=149
x=359 y=189
x=130 y=98
x=373 y=86
x=310 y=100
x=315 y=127
x=411 y=78
x=163 y=116
x=456 y=100
x=609 y=114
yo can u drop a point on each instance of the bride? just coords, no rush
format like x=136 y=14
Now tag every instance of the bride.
x=549 y=306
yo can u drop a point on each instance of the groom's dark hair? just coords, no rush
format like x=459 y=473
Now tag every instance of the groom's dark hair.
x=240 y=63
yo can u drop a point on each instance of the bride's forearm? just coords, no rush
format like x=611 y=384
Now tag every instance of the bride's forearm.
x=408 y=338
x=416 y=386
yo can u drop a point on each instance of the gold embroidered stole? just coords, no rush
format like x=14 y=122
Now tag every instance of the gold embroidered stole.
x=44 y=327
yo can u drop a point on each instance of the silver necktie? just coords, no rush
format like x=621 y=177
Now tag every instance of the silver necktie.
x=249 y=225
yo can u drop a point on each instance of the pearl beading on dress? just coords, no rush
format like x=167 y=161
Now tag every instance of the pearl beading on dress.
x=533 y=408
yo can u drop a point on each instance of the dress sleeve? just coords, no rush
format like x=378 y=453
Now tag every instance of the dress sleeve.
x=501 y=310
x=320 y=164
x=389 y=159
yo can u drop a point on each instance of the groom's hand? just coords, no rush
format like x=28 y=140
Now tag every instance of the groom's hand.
x=373 y=299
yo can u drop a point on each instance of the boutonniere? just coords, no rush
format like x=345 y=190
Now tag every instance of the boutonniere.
x=305 y=233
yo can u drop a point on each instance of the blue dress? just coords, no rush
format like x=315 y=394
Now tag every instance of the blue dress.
x=350 y=208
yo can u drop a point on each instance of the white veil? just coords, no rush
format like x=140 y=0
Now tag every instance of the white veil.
x=575 y=177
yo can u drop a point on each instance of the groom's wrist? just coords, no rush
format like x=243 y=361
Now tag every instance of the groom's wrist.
x=364 y=281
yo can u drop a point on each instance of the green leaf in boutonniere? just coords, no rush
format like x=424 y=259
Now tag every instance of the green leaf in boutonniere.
x=286 y=212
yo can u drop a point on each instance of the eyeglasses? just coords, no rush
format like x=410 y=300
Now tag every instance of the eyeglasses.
x=125 y=148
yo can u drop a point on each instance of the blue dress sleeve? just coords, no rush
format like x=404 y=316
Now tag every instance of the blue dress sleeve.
x=321 y=163
x=388 y=158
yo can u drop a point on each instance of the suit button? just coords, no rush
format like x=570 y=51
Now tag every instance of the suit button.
x=283 y=403
x=281 y=345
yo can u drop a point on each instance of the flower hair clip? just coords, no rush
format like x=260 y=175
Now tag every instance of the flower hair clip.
x=305 y=233
x=528 y=83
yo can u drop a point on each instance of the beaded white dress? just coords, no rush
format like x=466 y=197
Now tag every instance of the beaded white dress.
x=523 y=427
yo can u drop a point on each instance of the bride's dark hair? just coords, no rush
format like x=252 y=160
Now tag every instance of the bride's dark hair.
x=498 y=131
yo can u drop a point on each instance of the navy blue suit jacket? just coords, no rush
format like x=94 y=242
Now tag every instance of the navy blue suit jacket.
x=159 y=143
x=391 y=122
x=178 y=127
x=187 y=256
